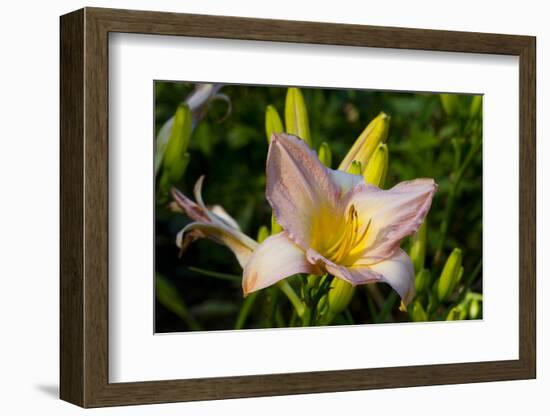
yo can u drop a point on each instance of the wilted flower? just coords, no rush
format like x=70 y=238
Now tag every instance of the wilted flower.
x=214 y=224
x=196 y=103
x=335 y=223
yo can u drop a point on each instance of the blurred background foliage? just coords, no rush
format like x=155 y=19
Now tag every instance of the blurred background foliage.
x=431 y=135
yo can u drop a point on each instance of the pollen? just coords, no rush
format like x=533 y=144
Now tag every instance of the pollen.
x=351 y=239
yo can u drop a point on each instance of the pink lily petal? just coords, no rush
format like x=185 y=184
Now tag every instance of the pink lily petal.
x=393 y=214
x=397 y=271
x=350 y=275
x=298 y=186
x=275 y=259
x=345 y=181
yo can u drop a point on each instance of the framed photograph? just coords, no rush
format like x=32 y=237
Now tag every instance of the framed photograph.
x=257 y=207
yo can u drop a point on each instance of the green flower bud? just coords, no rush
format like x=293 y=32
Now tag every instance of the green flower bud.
x=457 y=313
x=450 y=276
x=377 y=167
x=275 y=227
x=263 y=233
x=422 y=280
x=474 y=311
x=417 y=312
x=296 y=118
x=355 y=168
x=171 y=175
x=273 y=123
x=449 y=102
x=325 y=154
x=475 y=106
x=375 y=133
x=417 y=251
x=175 y=161
x=339 y=296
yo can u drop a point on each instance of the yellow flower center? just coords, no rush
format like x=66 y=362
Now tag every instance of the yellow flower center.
x=345 y=245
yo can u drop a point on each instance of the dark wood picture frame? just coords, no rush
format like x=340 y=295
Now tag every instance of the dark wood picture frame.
x=84 y=207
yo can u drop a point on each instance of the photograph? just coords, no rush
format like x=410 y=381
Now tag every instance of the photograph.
x=290 y=206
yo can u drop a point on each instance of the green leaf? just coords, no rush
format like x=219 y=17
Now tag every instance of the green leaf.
x=214 y=308
x=168 y=296
x=223 y=276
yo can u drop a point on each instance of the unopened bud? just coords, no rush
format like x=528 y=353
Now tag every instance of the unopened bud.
x=273 y=123
x=296 y=118
x=377 y=167
x=375 y=133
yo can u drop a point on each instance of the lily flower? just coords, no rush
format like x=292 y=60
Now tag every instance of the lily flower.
x=333 y=222
x=215 y=224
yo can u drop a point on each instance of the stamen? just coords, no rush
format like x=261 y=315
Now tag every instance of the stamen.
x=350 y=240
x=340 y=240
x=358 y=247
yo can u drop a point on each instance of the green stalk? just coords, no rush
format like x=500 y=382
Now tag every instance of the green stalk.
x=452 y=198
x=292 y=297
x=224 y=276
x=386 y=308
x=469 y=281
x=245 y=310
x=306 y=317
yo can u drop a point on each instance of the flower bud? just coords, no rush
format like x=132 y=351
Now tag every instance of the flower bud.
x=450 y=276
x=178 y=141
x=474 y=310
x=339 y=296
x=296 y=118
x=273 y=123
x=325 y=154
x=449 y=102
x=475 y=106
x=422 y=280
x=355 y=168
x=275 y=227
x=377 y=167
x=417 y=252
x=417 y=312
x=263 y=233
x=375 y=133
x=175 y=158
x=457 y=313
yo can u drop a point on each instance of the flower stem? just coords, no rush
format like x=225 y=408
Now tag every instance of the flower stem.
x=386 y=308
x=452 y=197
x=245 y=310
x=292 y=297
x=306 y=317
